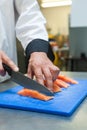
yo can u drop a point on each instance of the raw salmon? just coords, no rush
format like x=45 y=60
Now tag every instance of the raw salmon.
x=56 y=88
x=67 y=79
x=61 y=83
x=37 y=95
x=34 y=94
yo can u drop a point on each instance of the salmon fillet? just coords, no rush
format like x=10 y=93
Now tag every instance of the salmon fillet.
x=34 y=94
x=61 y=82
x=67 y=79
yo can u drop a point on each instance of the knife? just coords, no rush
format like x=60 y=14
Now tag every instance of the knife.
x=26 y=82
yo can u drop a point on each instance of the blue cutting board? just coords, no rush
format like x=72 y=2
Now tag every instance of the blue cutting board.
x=64 y=102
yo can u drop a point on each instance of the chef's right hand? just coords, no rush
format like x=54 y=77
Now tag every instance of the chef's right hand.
x=5 y=59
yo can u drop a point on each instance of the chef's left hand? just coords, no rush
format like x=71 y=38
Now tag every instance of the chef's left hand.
x=42 y=68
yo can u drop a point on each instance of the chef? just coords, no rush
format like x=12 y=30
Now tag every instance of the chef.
x=24 y=20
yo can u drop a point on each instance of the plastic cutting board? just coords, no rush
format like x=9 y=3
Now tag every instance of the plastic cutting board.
x=64 y=102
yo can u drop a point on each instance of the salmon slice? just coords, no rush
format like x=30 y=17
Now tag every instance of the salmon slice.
x=67 y=79
x=34 y=94
x=37 y=95
x=56 y=88
x=61 y=83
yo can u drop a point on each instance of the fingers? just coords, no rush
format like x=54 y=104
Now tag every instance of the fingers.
x=30 y=72
x=33 y=70
x=39 y=76
x=50 y=75
x=43 y=69
x=48 y=78
x=5 y=59
x=43 y=73
x=54 y=72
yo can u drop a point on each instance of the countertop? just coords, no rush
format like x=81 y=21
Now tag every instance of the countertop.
x=11 y=119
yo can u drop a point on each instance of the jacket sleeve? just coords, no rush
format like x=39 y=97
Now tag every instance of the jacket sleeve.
x=30 y=27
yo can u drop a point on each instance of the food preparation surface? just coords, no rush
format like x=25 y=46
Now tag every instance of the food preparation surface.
x=13 y=119
x=64 y=102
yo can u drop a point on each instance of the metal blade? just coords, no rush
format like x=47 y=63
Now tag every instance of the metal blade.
x=26 y=82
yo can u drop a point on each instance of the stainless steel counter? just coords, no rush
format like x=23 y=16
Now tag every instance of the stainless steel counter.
x=11 y=119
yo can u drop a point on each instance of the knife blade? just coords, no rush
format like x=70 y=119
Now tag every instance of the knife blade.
x=26 y=82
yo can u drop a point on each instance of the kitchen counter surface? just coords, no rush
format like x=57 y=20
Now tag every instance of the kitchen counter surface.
x=11 y=119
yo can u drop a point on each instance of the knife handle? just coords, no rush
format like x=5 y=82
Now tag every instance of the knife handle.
x=7 y=68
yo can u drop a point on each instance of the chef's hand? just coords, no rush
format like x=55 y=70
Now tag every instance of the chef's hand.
x=42 y=68
x=5 y=59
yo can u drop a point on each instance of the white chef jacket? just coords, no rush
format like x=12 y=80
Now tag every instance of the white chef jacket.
x=29 y=25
